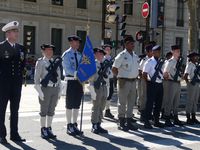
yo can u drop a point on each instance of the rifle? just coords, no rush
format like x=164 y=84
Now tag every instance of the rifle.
x=52 y=72
x=195 y=79
x=178 y=67
x=158 y=68
x=102 y=73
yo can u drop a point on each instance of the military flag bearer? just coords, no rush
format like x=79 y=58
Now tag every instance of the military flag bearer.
x=71 y=60
x=48 y=85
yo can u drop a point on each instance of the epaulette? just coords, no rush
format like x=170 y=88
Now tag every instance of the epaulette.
x=39 y=59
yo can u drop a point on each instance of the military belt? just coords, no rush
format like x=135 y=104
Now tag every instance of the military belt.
x=52 y=85
x=128 y=79
x=173 y=81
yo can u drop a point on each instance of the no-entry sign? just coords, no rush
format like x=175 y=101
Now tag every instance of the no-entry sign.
x=145 y=10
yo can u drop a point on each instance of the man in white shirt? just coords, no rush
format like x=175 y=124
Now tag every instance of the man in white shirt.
x=152 y=73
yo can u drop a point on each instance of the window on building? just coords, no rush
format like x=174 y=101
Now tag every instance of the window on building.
x=179 y=41
x=128 y=7
x=2 y=34
x=56 y=40
x=180 y=13
x=82 y=4
x=57 y=2
x=29 y=38
x=82 y=35
x=30 y=0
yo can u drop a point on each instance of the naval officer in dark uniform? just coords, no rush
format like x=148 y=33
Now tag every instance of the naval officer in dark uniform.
x=12 y=63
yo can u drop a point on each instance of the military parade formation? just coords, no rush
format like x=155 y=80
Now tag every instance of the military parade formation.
x=151 y=82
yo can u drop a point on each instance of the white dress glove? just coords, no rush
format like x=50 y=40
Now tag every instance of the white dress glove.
x=92 y=92
x=39 y=91
x=75 y=74
x=60 y=91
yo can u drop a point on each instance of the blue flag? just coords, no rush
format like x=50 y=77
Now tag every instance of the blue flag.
x=87 y=66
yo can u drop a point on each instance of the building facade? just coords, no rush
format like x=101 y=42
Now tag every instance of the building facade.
x=51 y=21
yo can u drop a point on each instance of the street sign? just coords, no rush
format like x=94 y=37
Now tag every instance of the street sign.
x=145 y=10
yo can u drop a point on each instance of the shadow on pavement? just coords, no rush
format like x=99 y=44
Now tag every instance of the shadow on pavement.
x=61 y=145
x=125 y=142
x=98 y=145
x=21 y=144
x=160 y=140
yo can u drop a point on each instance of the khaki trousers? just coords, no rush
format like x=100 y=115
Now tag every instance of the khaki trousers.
x=193 y=96
x=127 y=97
x=99 y=104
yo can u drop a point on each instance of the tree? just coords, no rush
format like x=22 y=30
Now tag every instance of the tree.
x=193 y=24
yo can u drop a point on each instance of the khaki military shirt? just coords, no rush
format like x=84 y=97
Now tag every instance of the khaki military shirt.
x=127 y=65
x=190 y=68
x=96 y=75
x=170 y=68
x=41 y=71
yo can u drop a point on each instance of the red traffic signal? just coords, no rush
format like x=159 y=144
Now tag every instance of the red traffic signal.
x=140 y=36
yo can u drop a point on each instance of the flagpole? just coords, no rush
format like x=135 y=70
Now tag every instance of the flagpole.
x=83 y=85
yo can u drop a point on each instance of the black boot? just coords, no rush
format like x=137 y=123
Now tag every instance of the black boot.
x=108 y=114
x=101 y=130
x=194 y=119
x=95 y=128
x=157 y=123
x=70 y=129
x=142 y=116
x=147 y=124
x=122 y=124
x=44 y=133
x=131 y=125
x=189 y=120
x=76 y=130
x=177 y=121
x=168 y=122
x=50 y=133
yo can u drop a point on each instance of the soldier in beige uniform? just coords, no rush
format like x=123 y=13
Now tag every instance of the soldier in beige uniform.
x=174 y=86
x=192 y=78
x=125 y=67
x=142 y=92
x=98 y=90
x=48 y=85
x=165 y=87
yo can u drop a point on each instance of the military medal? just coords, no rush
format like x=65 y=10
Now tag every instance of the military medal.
x=21 y=55
x=6 y=54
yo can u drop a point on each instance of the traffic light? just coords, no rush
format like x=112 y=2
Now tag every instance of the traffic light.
x=122 y=25
x=111 y=8
x=140 y=36
x=157 y=14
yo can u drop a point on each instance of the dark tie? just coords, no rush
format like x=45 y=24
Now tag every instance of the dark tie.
x=75 y=55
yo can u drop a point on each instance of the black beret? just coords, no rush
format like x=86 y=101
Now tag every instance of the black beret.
x=148 y=47
x=156 y=48
x=129 y=38
x=174 y=47
x=74 y=38
x=43 y=46
x=98 y=49
x=193 y=54
x=168 y=54
x=106 y=45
